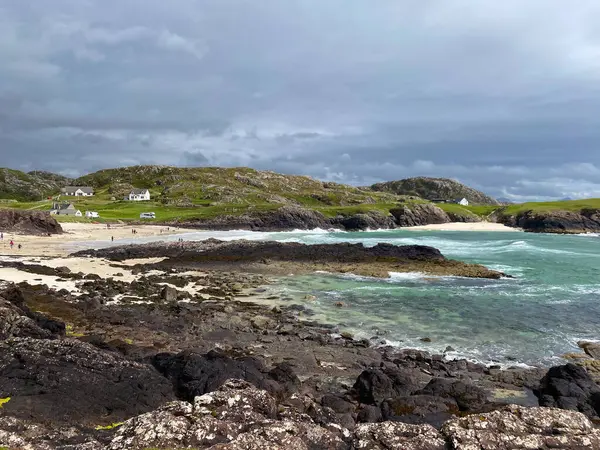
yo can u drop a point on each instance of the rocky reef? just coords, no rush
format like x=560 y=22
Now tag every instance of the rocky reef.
x=28 y=222
x=282 y=258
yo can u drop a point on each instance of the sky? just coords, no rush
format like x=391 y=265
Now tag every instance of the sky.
x=504 y=96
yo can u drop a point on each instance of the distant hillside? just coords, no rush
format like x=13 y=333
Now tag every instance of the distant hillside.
x=435 y=188
x=17 y=185
x=216 y=185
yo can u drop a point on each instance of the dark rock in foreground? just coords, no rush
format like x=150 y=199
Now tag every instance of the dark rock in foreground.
x=71 y=382
x=570 y=387
x=239 y=416
x=28 y=222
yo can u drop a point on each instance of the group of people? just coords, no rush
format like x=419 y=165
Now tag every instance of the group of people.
x=11 y=243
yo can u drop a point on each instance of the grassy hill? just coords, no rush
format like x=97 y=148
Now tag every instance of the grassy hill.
x=21 y=186
x=224 y=186
x=435 y=188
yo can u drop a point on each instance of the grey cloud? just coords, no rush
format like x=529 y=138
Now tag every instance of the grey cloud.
x=501 y=95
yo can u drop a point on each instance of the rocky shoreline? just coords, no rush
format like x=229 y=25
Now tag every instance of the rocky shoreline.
x=284 y=258
x=162 y=356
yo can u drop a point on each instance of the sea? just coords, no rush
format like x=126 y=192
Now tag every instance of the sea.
x=551 y=301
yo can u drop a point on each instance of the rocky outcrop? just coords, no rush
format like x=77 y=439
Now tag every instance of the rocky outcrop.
x=28 y=222
x=435 y=188
x=570 y=387
x=238 y=416
x=194 y=374
x=71 y=382
x=560 y=222
x=372 y=220
x=286 y=257
x=17 y=320
x=290 y=217
x=417 y=214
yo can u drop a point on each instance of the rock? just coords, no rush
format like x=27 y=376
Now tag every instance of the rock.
x=425 y=339
x=169 y=294
x=369 y=414
x=590 y=348
x=17 y=320
x=92 y=276
x=337 y=403
x=516 y=427
x=419 y=409
x=416 y=214
x=393 y=435
x=68 y=381
x=237 y=416
x=194 y=374
x=585 y=221
x=570 y=387
x=262 y=323
x=63 y=270
x=28 y=222
x=287 y=379
x=375 y=385
x=340 y=304
x=372 y=220
x=468 y=397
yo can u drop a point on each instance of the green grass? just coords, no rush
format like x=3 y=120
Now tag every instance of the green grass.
x=565 y=205
x=333 y=211
x=109 y=427
x=4 y=401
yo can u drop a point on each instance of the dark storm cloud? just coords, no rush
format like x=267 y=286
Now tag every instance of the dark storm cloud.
x=501 y=95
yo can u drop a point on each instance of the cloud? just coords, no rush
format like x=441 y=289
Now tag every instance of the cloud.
x=501 y=95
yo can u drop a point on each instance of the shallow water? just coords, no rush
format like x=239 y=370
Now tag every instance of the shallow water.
x=553 y=302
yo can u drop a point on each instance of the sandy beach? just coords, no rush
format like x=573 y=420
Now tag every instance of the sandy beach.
x=58 y=245
x=461 y=226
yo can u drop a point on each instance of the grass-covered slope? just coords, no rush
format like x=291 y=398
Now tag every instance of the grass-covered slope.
x=21 y=186
x=221 y=186
x=435 y=188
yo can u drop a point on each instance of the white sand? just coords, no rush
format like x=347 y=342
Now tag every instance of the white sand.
x=461 y=226
x=59 y=245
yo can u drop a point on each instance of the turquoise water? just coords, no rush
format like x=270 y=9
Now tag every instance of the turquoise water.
x=553 y=302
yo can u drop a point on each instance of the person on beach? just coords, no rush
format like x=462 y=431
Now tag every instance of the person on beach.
x=12 y=244
x=112 y=239
x=1 y=236
x=19 y=246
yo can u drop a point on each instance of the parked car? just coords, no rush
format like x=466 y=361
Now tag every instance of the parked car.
x=92 y=214
x=148 y=215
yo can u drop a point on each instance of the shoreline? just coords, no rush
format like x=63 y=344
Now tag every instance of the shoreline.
x=466 y=226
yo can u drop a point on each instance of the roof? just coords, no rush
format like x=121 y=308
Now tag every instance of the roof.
x=139 y=191
x=86 y=189
x=63 y=206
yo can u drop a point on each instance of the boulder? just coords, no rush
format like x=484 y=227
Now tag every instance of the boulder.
x=467 y=396
x=376 y=385
x=68 y=381
x=419 y=409
x=590 y=348
x=236 y=416
x=168 y=294
x=194 y=374
x=570 y=387
x=28 y=222
x=394 y=435
x=516 y=427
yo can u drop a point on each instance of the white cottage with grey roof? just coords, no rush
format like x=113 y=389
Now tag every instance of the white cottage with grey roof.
x=138 y=195
x=78 y=191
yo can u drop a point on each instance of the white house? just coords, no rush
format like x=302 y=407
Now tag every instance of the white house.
x=78 y=191
x=92 y=214
x=65 y=209
x=138 y=195
x=462 y=201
